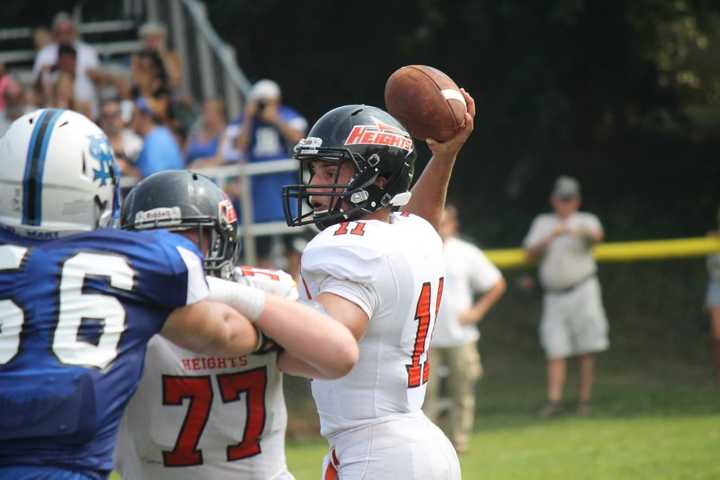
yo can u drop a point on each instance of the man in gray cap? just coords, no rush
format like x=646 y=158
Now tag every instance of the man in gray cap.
x=573 y=319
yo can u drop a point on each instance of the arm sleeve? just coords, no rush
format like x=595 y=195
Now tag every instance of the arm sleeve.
x=535 y=234
x=91 y=57
x=593 y=223
x=295 y=120
x=485 y=274
x=343 y=266
x=363 y=296
x=172 y=271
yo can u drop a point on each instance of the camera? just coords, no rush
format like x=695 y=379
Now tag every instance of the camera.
x=261 y=105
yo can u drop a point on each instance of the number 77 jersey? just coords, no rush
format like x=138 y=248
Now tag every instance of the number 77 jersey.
x=394 y=271
x=208 y=417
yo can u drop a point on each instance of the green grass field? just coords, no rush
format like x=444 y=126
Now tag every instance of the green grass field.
x=639 y=434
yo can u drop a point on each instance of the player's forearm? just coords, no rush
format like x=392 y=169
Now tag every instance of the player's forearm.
x=305 y=332
x=492 y=296
x=311 y=336
x=236 y=337
x=536 y=251
x=217 y=329
x=294 y=366
x=430 y=191
x=291 y=135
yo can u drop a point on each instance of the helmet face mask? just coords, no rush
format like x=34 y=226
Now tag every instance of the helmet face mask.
x=186 y=203
x=380 y=152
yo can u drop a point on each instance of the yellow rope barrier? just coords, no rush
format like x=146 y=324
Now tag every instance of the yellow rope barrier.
x=623 y=251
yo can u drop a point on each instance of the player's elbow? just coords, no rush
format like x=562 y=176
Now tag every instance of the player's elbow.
x=500 y=287
x=344 y=358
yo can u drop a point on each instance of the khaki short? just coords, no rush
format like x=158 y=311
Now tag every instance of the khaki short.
x=574 y=322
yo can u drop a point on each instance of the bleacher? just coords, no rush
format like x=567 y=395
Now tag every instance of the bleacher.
x=209 y=70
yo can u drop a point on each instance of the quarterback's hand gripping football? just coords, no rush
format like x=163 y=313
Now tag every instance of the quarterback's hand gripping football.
x=451 y=148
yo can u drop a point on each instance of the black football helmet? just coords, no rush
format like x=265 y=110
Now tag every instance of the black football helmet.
x=179 y=200
x=375 y=143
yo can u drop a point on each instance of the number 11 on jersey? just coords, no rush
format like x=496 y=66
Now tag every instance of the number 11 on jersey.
x=419 y=372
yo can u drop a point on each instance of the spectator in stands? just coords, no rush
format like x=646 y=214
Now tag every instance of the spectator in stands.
x=7 y=82
x=58 y=83
x=62 y=95
x=203 y=145
x=149 y=79
x=268 y=131
x=41 y=38
x=87 y=70
x=126 y=144
x=154 y=39
x=15 y=105
x=160 y=150
x=455 y=339
x=573 y=319
x=712 y=303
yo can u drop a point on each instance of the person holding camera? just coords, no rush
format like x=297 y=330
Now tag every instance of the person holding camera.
x=268 y=131
x=85 y=67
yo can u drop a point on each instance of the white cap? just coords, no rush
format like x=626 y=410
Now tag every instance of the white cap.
x=566 y=187
x=152 y=28
x=265 y=90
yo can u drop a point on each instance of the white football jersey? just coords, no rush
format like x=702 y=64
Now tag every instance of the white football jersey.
x=395 y=272
x=208 y=417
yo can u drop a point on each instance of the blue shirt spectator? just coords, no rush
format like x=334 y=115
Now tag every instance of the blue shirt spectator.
x=160 y=149
x=160 y=152
x=203 y=145
x=269 y=131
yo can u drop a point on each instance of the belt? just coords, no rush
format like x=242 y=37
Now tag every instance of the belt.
x=571 y=287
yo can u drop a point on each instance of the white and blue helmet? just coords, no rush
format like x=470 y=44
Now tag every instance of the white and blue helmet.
x=57 y=175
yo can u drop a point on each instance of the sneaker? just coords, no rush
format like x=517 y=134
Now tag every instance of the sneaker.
x=552 y=409
x=584 y=408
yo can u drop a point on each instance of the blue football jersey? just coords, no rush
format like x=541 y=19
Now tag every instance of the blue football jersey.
x=75 y=317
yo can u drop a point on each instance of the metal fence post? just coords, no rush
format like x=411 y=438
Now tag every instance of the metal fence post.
x=180 y=45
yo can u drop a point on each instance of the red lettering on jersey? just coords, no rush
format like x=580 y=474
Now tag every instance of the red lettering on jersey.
x=196 y=364
x=252 y=383
x=422 y=314
x=419 y=372
x=343 y=229
x=426 y=368
x=186 y=363
x=199 y=391
x=221 y=362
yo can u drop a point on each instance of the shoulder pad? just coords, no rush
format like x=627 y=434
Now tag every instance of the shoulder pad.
x=346 y=257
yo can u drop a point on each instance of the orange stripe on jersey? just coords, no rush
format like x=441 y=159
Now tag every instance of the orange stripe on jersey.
x=307 y=290
x=331 y=472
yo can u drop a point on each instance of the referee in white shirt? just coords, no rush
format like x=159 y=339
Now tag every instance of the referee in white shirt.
x=573 y=319
x=454 y=342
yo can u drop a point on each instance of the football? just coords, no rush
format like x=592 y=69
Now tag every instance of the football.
x=426 y=101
